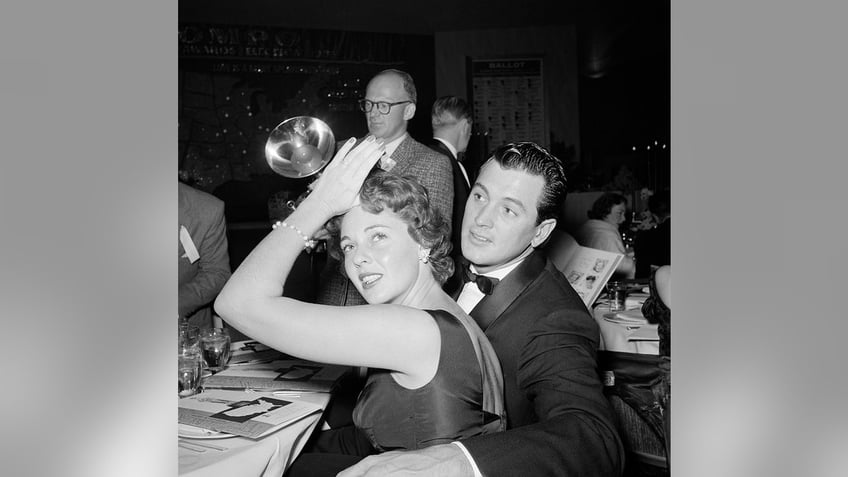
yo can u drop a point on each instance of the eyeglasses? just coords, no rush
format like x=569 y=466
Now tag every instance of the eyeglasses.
x=383 y=107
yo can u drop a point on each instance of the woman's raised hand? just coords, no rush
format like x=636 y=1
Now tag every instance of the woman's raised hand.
x=338 y=187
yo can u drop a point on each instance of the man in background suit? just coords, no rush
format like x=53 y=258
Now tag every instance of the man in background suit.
x=559 y=422
x=204 y=264
x=451 y=121
x=389 y=105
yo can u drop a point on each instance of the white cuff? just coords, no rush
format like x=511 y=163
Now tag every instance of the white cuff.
x=470 y=459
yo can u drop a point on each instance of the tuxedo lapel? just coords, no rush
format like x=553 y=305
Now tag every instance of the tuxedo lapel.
x=508 y=290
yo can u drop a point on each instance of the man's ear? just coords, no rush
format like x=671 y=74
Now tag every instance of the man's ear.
x=466 y=126
x=408 y=111
x=543 y=231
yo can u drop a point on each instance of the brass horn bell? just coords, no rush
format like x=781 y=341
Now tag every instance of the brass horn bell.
x=300 y=147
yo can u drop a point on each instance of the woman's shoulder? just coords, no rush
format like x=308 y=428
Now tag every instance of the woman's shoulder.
x=443 y=315
x=662 y=279
x=593 y=231
x=593 y=226
x=456 y=319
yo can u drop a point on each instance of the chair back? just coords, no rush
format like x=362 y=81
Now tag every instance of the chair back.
x=639 y=390
x=560 y=247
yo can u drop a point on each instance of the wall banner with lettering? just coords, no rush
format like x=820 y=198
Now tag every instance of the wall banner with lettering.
x=509 y=100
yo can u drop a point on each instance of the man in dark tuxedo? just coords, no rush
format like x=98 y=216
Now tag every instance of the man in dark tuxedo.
x=389 y=104
x=559 y=422
x=451 y=121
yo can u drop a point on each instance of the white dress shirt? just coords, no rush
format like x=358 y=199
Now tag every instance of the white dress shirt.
x=471 y=294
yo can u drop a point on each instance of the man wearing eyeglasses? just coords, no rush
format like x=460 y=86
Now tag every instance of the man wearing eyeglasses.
x=389 y=104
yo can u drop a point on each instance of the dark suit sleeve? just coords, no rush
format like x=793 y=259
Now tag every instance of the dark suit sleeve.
x=575 y=433
x=214 y=264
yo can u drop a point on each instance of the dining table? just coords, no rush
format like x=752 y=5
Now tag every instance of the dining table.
x=268 y=456
x=627 y=332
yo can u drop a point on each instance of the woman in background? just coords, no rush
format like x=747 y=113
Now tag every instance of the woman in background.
x=601 y=230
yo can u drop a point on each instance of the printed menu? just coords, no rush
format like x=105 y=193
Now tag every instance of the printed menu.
x=278 y=375
x=588 y=271
x=248 y=352
x=242 y=413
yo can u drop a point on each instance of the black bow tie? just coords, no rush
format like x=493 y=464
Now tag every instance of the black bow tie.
x=485 y=284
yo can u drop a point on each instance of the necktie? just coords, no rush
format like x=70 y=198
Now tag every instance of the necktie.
x=485 y=284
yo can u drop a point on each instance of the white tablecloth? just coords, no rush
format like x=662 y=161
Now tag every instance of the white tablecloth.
x=632 y=338
x=243 y=457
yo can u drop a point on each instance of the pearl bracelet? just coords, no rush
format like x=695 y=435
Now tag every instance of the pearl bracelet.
x=307 y=242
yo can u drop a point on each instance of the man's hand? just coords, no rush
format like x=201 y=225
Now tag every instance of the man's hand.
x=445 y=460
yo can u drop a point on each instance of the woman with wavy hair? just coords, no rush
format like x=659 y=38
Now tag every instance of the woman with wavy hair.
x=434 y=377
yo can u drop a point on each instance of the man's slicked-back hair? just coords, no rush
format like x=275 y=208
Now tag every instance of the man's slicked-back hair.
x=534 y=159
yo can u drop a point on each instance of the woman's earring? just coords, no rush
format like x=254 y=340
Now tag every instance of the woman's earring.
x=423 y=255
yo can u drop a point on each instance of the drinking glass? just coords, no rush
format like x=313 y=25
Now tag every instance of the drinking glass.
x=188 y=370
x=189 y=336
x=215 y=345
x=617 y=296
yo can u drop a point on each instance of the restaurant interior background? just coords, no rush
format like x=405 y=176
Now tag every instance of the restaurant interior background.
x=588 y=80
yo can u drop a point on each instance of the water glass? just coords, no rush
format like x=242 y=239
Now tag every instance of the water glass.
x=215 y=345
x=617 y=296
x=189 y=336
x=188 y=371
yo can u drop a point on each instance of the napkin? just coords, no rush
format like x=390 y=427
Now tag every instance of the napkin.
x=629 y=317
x=645 y=333
x=634 y=300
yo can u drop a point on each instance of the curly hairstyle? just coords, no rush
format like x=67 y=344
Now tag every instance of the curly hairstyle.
x=604 y=204
x=410 y=201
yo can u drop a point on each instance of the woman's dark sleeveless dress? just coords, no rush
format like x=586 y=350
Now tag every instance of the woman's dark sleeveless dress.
x=448 y=408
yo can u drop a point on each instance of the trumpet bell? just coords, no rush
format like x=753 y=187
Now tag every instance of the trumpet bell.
x=300 y=147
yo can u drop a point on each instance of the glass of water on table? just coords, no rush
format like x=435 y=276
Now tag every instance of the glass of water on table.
x=189 y=370
x=215 y=346
x=190 y=360
x=617 y=296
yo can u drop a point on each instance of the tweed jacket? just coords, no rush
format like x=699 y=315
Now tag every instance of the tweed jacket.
x=460 y=196
x=432 y=169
